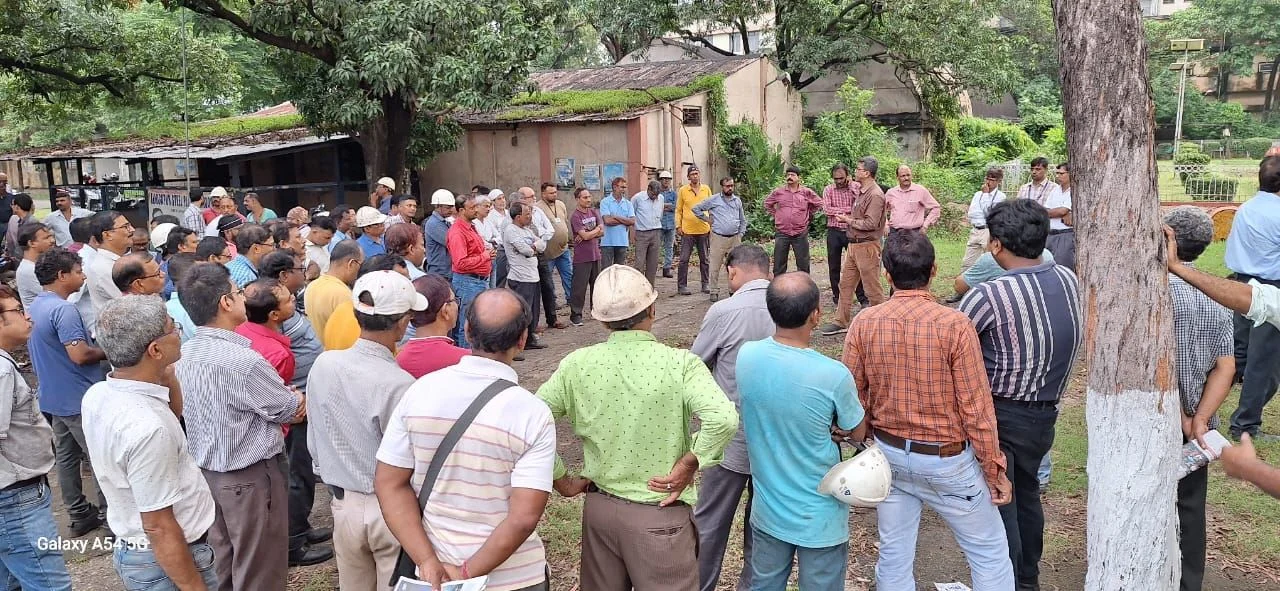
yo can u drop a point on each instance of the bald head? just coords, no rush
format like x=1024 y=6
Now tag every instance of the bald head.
x=137 y=273
x=792 y=299
x=904 y=176
x=526 y=193
x=497 y=322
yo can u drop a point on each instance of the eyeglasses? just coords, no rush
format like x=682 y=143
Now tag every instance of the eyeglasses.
x=151 y=276
x=268 y=244
x=127 y=226
x=235 y=293
x=19 y=310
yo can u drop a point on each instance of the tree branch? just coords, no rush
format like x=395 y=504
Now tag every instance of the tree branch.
x=106 y=81
x=833 y=25
x=157 y=77
x=215 y=9
x=701 y=40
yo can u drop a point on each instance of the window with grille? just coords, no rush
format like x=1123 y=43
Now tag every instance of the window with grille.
x=692 y=116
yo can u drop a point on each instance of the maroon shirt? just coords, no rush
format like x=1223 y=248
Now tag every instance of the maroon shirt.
x=585 y=251
x=423 y=355
x=792 y=210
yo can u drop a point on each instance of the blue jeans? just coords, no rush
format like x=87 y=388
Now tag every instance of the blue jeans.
x=465 y=289
x=955 y=489
x=563 y=265
x=26 y=523
x=141 y=572
x=668 y=247
x=821 y=569
x=1045 y=471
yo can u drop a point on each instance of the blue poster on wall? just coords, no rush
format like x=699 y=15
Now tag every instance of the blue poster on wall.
x=591 y=176
x=612 y=170
x=564 y=172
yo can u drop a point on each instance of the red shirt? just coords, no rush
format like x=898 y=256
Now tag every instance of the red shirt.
x=469 y=252
x=792 y=210
x=423 y=355
x=272 y=346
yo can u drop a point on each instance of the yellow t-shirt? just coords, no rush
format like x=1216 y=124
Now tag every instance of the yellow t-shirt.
x=686 y=199
x=323 y=297
x=342 y=331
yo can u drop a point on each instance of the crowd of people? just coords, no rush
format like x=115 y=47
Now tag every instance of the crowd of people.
x=213 y=370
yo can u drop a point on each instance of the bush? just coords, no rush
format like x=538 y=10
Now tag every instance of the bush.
x=1055 y=143
x=1010 y=139
x=756 y=166
x=1254 y=147
x=1208 y=186
x=1191 y=157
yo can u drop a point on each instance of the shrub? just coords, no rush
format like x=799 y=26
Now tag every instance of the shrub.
x=1208 y=186
x=1012 y=141
x=1254 y=147
x=1191 y=157
x=1055 y=143
x=756 y=166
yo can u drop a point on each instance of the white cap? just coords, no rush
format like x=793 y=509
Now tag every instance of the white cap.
x=620 y=293
x=496 y=193
x=368 y=216
x=387 y=182
x=665 y=174
x=160 y=234
x=217 y=192
x=391 y=292
x=442 y=197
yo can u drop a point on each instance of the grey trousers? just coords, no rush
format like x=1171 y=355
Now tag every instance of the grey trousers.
x=648 y=252
x=1062 y=243
x=612 y=255
x=70 y=453
x=250 y=533
x=718 y=498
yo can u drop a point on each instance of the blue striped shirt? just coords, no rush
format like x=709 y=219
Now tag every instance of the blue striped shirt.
x=242 y=271
x=1028 y=322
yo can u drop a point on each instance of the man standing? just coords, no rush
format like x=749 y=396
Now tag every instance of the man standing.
x=837 y=202
x=1202 y=333
x=546 y=230
x=794 y=402
x=252 y=243
x=523 y=246
x=333 y=287
x=918 y=369
x=406 y=207
x=370 y=221
x=587 y=230
x=234 y=405
x=257 y=213
x=1029 y=327
x=482 y=516
x=1253 y=253
x=22 y=214
x=345 y=219
x=317 y=248
x=267 y=304
x=138 y=274
x=499 y=218
x=436 y=229
x=792 y=207
x=489 y=232
x=729 y=324
x=629 y=399
x=1062 y=237
x=668 y=221
x=910 y=206
x=66 y=363
x=1040 y=189
x=861 y=268
x=59 y=222
x=472 y=261
x=618 y=215
x=431 y=347
x=193 y=217
x=26 y=509
x=161 y=506
x=554 y=218
x=113 y=232
x=983 y=199
x=34 y=239
x=351 y=402
x=648 y=224
x=728 y=224
x=6 y=204
x=380 y=198
x=694 y=231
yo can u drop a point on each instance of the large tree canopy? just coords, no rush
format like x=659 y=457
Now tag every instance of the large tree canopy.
x=1241 y=30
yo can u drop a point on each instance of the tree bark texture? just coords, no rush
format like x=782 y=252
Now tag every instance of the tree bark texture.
x=1133 y=405
x=385 y=143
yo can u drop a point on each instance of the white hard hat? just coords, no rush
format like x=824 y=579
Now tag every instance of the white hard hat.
x=620 y=293
x=442 y=197
x=861 y=481
x=387 y=182
x=665 y=174
x=217 y=192
x=160 y=234
x=369 y=216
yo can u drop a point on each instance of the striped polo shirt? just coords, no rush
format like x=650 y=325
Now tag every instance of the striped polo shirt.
x=511 y=444
x=1028 y=322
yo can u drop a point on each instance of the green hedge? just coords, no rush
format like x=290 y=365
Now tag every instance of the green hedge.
x=1254 y=147
x=1011 y=140
x=1208 y=186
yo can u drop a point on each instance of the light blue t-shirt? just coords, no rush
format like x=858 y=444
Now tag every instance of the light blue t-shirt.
x=55 y=322
x=616 y=235
x=1253 y=246
x=986 y=268
x=790 y=398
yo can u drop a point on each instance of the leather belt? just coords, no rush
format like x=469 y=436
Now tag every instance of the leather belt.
x=34 y=480
x=204 y=538
x=473 y=276
x=944 y=450
x=1056 y=232
x=592 y=488
x=337 y=492
x=1027 y=403
x=865 y=239
x=726 y=235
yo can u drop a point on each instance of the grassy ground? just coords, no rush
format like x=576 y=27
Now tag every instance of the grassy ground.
x=1243 y=170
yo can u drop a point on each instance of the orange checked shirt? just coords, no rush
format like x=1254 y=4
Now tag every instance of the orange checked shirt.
x=919 y=372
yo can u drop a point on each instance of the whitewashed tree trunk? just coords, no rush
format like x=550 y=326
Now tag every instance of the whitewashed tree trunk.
x=1133 y=406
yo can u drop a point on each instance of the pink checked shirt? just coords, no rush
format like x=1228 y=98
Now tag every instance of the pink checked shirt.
x=792 y=210
x=837 y=201
x=911 y=208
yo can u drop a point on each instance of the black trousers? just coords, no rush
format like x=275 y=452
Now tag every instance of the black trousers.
x=1261 y=344
x=302 y=484
x=783 y=243
x=531 y=293
x=547 y=288
x=1026 y=435
x=584 y=278
x=687 y=243
x=1192 y=490
x=837 y=242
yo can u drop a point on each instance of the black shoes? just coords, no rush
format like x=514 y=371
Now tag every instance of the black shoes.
x=319 y=535
x=84 y=525
x=666 y=273
x=528 y=346
x=309 y=555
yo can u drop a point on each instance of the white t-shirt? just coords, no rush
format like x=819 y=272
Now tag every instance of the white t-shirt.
x=511 y=444
x=318 y=255
x=139 y=454
x=1056 y=199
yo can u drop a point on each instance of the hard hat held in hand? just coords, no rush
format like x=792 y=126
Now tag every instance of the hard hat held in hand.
x=860 y=481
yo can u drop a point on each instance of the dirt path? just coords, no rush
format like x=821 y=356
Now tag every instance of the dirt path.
x=938 y=557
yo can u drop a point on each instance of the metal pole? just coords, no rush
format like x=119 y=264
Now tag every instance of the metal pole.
x=1182 y=90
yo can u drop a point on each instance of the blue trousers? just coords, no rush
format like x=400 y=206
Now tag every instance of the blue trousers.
x=465 y=288
x=821 y=569
x=26 y=525
x=141 y=572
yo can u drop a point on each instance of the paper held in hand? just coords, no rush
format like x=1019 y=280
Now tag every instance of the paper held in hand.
x=1195 y=456
x=474 y=584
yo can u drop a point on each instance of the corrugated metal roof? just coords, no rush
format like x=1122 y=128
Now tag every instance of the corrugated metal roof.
x=637 y=75
x=171 y=148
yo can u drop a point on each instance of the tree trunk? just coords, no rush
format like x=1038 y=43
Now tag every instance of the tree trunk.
x=385 y=141
x=1271 y=89
x=1133 y=407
